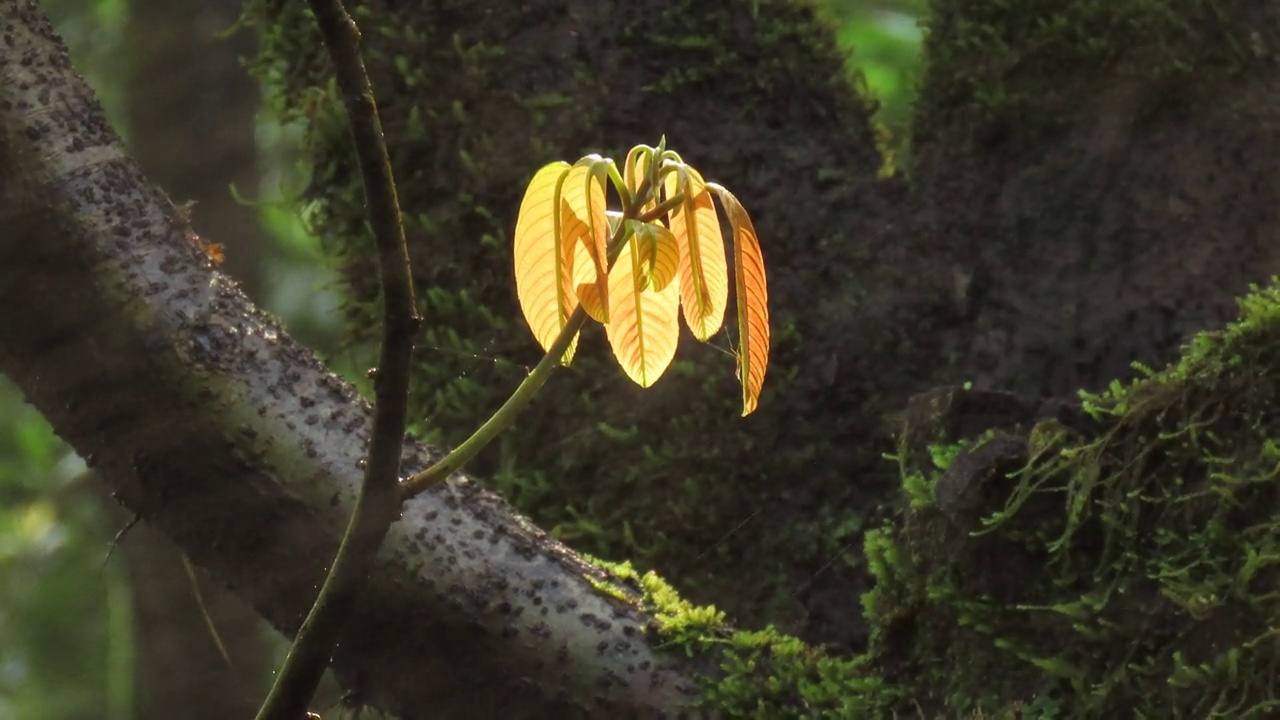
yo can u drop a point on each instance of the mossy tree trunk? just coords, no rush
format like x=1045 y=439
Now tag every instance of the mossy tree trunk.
x=1089 y=183
x=1116 y=559
x=1162 y=558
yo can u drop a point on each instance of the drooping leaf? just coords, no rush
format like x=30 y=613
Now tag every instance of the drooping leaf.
x=644 y=325
x=639 y=159
x=544 y=283
x=583 y=190
x=581 y=280
x=752 y=296
x=659 y=253
x=704 y=274
x=639 y=169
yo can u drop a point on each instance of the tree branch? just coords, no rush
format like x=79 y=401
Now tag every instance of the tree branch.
x=378 y=503
x=212 y=424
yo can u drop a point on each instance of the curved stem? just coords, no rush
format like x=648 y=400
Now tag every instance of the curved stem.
x=503 y=418
x=378 y=504
x=525 y=392
x=298 y=678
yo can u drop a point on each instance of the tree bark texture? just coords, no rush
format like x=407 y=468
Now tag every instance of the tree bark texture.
x=212 y=425
x=190 y=117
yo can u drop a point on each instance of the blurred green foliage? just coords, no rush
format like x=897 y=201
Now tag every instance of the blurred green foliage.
x=882 y=39
x=65 y=625
x=66 y=633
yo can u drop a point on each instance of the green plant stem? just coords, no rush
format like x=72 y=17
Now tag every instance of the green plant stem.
x=378 y=503
x=503 y=418
x=525 y=392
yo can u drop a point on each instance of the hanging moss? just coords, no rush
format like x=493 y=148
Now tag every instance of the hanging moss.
x=1118 y=561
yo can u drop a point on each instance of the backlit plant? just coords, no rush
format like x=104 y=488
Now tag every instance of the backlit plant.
x=636 y=270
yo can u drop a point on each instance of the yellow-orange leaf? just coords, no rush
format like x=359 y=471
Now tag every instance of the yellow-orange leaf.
x=644 y=325
x=752 y=296
x=636 y=170
x=542 y=265
x=659 y=253
x=704 y=274
x=583 y=190
x=581 y=281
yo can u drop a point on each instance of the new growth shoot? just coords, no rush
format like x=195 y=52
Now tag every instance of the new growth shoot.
x=636 y=270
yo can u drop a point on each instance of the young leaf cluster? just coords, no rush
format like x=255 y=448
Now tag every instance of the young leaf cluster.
x=638 y=269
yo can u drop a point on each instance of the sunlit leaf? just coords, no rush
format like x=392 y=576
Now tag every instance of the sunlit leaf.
x=542 y=264
x=636 y=169
x=659 y=253
x=583 y=190
x=644 y=325
x=752 y=296
x=582 y=269
x=636 y=165
x=704 y=275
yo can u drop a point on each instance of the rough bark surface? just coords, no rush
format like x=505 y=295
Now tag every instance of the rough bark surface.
x=211 y=424
x=190 y=118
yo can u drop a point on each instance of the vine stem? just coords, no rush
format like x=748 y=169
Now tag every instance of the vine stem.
x=503 y=418
x=378 y=503
x=533 y=382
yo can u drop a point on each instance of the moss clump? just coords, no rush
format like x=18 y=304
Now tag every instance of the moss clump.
x=1123 y=562
x=764 y=674
x=768 y=675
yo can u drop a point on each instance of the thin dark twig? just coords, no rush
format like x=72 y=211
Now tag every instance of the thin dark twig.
x=120 y=536
x=378 y=504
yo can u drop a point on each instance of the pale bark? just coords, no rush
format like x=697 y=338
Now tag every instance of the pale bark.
x=190 y=113
x=212 y=424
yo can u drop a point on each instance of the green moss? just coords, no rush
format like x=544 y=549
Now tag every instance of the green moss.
x=1024 y=66
x=764 y=674
x=610 y=589
x=769 y=675
x=676 y=620
x=1128 y=572
x=919 y=483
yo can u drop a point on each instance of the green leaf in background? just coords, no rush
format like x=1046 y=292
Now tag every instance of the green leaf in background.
x=883 y=41
x=61 y=611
